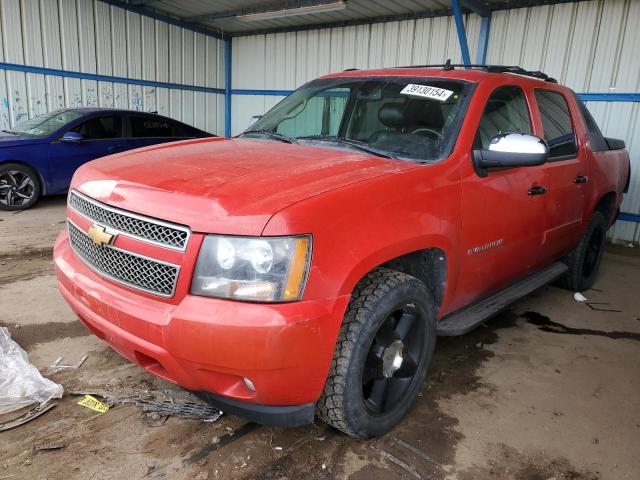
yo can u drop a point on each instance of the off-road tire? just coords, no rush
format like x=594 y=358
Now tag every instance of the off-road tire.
x=37 y=187
x=576 y=279
x=342 y=402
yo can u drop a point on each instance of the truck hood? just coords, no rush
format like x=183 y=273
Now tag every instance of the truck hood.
x=218 y=185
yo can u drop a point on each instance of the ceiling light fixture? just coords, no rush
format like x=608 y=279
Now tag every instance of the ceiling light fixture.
x=292 y=12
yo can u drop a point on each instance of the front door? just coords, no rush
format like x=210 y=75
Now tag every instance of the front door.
x=503 y=212
x=101 y=136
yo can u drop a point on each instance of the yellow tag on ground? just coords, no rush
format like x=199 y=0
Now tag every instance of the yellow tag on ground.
x=93 y=403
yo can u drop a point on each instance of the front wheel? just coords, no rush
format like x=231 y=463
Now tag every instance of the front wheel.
x=383 y=352
x=19 y=187
x=584 y=261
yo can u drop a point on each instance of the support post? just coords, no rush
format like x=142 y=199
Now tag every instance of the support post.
x=227 y=87
x=483 y=41
x=462 y=36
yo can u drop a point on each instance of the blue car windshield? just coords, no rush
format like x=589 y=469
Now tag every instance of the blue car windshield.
x=45 y=124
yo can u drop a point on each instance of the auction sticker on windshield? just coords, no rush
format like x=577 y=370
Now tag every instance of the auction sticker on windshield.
x=426 y=91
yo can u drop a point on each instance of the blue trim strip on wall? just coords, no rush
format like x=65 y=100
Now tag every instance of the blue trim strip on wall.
x=592 y=97
x=239 y=91
x=163 y=18
x=629 y=217
x=106 y=78
x=610 y=97
x=227 y=87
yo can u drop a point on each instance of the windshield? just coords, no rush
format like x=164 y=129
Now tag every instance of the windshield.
x=45 y=124
x=408 y=118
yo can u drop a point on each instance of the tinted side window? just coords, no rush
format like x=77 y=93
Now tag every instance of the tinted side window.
x=596 y=139
x=506 y=111
x=556 y=123
x=100 y=128
x=183 y=130
x=151 y=127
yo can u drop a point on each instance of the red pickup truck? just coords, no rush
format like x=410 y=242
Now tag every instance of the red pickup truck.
x=308 y=265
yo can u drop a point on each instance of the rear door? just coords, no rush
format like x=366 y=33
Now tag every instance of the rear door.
x=503 y=222
x=567 y=176
x=101 y=136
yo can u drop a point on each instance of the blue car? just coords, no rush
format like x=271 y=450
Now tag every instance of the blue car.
x=39 y=156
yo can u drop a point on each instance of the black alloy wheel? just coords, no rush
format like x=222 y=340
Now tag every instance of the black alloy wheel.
x=19 y=187
x=392 y=362
x=584 y=260
x=593 y=251
x=382 y=354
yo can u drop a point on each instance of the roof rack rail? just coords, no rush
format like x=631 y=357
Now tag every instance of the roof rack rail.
x=488 y=68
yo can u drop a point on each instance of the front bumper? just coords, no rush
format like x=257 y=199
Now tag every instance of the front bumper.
x=210 y=345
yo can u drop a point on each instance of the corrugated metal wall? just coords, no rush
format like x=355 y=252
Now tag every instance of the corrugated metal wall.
x=287 y=60
x=93 y=37
x=590 y=46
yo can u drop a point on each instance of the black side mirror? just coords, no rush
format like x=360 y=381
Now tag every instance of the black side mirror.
x=614 y=143
x=509 y=150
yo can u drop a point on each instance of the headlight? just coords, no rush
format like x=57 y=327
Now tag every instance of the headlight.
x=259 y=269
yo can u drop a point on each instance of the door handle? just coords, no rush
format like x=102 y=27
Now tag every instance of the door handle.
x=537 y=190
x=581 y=179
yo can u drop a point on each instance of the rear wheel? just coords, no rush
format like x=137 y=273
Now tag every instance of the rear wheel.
x=19 y=187
x=584 y=261
x=384 y=349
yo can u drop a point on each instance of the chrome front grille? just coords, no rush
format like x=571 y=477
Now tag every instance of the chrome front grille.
x=135 y=271
x=138 y=226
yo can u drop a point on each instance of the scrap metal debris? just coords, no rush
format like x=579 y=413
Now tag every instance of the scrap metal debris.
x=47 y=448
x=418 y=453
x=602 y=307
x=34 y=412
x=56 y=367
x=176 y=403
x=405 y=466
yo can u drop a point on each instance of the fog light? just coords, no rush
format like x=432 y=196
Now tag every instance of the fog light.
x=249 y=384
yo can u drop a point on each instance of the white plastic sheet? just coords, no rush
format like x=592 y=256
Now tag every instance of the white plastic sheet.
x=21 y=383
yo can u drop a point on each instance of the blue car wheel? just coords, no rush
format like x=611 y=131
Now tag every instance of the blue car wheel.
x=19 y=187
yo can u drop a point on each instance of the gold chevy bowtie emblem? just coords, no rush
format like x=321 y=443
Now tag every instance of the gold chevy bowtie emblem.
x=100 y=236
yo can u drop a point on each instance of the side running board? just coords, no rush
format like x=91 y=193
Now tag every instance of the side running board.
x=467 y=318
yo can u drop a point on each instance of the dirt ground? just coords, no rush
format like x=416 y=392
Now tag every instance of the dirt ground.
x=548 y=390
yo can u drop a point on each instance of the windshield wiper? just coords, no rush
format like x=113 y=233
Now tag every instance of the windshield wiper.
x=352 y=143
x=9 y=131
x=322 y=136
x=272 y=134
x=366 y=148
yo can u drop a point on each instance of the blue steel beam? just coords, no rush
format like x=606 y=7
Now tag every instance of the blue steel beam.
x=227 y=87
x=141 y=10
x=462 y=36
x=483 y=40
